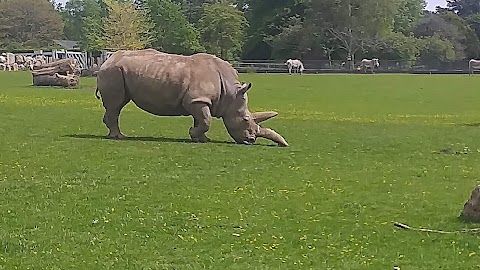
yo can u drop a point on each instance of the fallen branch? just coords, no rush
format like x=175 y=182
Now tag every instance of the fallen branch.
x=406 y=227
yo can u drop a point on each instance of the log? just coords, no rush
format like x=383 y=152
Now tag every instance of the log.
x=63 y=72
x=63 y=67
x=56 y=80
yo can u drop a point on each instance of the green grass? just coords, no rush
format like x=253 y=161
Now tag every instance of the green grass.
x=364 y=152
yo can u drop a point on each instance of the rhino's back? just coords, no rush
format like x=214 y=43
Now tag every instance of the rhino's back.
x=156 y=81
x=165 y=84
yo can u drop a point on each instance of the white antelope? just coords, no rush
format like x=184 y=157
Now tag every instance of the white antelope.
x=370 y=63
x=296 y=64
x=472 y=65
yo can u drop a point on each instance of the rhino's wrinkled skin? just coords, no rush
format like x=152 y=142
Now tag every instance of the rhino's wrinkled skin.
x=162 y=84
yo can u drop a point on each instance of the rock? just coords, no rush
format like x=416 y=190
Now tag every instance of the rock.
x=91 y=72
x=471 y=209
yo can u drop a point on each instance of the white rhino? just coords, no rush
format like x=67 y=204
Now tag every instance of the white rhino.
x=200 y=85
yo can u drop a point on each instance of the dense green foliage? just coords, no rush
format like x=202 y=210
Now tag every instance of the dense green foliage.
x=222 y=29
x=255 y=29
x=22 y=27
x=135 y=32
x=365 y=151
x=173 y=32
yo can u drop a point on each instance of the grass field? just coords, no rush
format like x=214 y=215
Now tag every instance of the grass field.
x=365 y=151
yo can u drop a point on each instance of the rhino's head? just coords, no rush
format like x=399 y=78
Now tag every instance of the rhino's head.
x=242 y=125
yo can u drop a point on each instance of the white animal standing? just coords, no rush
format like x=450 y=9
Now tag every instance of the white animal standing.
x=369 y=64
x=472 y=65
x=296 y=65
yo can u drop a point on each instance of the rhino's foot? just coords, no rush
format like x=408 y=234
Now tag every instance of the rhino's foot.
x=118 y=136
x=203 y=139
x=198 y=137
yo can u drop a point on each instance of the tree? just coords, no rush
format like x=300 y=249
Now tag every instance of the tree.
x=301 y=40
x=466 y=35
x=92 y=33
x=407 y=15
x=448 y=26
x=84 y=22
x=173 y=32
x=286 y=44
x=398 y=46
x=73 y=14
x=464 y=8
x=192 y=9
x=351 y=24
x=474 y=23
x=267 y=18
x=223 y=30
x=24 y=28
x=125 y=27
x=435 y=49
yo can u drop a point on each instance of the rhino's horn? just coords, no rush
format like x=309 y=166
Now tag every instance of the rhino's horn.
x=244 y=88
x=271 y=135
x=259 y=117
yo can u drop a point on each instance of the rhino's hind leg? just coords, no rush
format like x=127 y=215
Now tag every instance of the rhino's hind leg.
x=110 y=119
x=202 y=118
x=111 y=84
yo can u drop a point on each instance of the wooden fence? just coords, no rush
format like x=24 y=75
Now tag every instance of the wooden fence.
x=87 y=60
x=336 y=66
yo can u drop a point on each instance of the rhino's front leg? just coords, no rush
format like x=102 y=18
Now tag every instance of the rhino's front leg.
x=202 y=118
x=195 y=125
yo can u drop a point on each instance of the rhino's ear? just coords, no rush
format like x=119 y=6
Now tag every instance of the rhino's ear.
x=244 y=88
x=259 y=117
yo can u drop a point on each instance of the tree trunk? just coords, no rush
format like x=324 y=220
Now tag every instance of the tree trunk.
x=64 y=72
x=353 y=61
x=56 y=80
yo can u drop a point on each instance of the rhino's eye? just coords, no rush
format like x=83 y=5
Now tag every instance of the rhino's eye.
x=246 y=118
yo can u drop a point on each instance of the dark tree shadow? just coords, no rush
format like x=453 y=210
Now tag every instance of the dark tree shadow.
x=151 y=139
x=139 y=139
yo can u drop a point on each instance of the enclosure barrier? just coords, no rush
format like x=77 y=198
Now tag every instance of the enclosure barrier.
x=338 y=66
x=87 y=60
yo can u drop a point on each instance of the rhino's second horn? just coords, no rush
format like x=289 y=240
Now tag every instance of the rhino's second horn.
x=272 y=135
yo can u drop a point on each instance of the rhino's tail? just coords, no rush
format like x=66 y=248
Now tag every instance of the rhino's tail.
x=96 y=93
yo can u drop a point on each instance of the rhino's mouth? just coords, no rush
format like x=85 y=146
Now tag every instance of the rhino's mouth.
x=250 y=140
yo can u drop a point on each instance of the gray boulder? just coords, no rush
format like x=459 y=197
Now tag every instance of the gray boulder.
x=471 y=210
